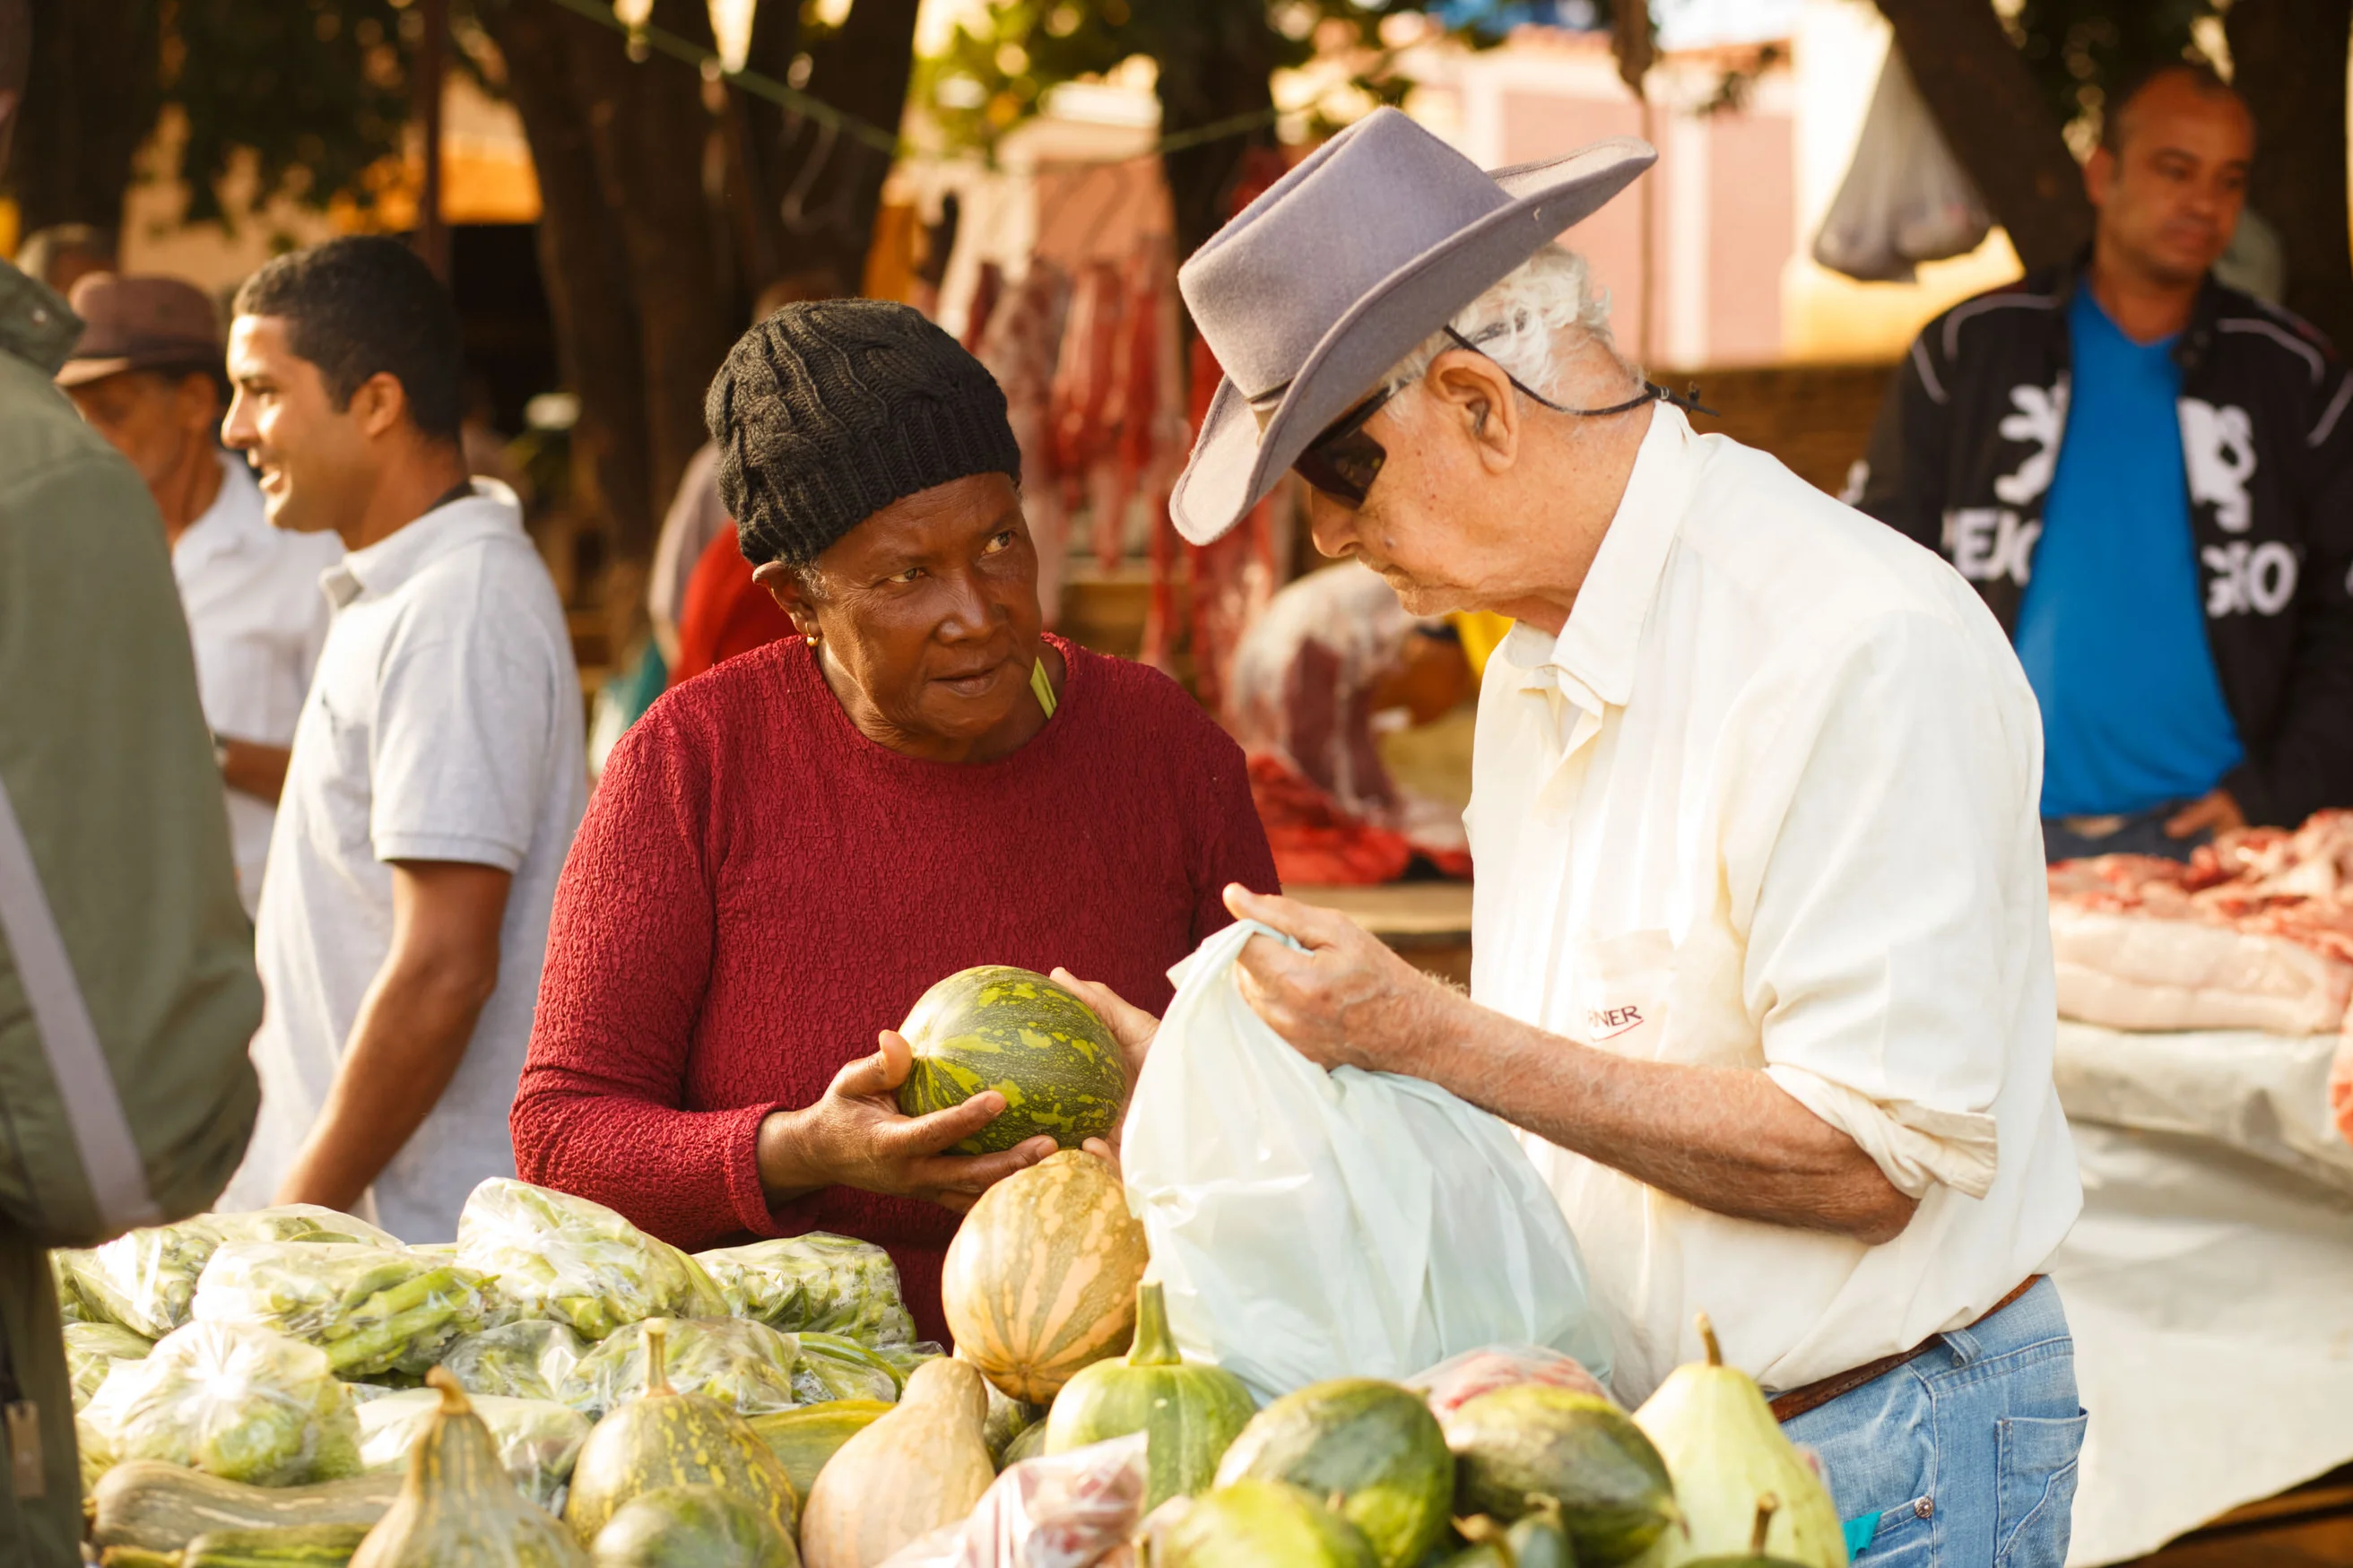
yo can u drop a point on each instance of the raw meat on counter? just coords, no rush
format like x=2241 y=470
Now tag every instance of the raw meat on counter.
x=2254 y=931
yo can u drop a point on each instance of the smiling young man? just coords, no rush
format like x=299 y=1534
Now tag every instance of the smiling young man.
x=2149 y=478
x=438 y=770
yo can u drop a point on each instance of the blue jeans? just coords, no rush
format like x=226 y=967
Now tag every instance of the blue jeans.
x=1965 y=1455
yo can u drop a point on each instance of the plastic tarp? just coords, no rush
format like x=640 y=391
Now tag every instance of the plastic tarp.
x=2210 y=1280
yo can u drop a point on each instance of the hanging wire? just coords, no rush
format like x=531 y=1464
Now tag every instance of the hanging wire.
x=652 y=39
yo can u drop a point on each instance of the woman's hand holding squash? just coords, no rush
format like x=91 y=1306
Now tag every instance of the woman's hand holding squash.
x=856 y=1137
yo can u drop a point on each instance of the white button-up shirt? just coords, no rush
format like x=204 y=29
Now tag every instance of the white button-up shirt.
x=255 y=619
x=1769 y=801
x=445 y=724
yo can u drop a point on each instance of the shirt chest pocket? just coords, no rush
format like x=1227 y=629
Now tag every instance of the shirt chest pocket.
x=1618 y=987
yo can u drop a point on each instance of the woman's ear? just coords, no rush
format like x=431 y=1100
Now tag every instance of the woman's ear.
x=791 y=593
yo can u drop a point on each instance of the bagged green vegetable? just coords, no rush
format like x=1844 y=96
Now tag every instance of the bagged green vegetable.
x=749 y=1367
x=556 y=1255
x=820 y=1282
x=91 y=1351
x=371 y=1309
x=834 y=1367
x=146 y=1280
x=530 y=1360
x=537 y=1439
x=233 y=1400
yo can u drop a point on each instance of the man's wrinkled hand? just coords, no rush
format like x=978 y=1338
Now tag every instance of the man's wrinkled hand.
x=2217 y=813
x=1347 y=1000
x=856 y=1137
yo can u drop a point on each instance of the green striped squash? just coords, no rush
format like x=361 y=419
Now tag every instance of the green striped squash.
x=1373 y=1445
x=1041 y=1279
x=1018 y=1033
x=1190 y=1411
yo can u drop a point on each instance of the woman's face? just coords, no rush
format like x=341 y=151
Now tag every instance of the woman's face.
x=927 y=618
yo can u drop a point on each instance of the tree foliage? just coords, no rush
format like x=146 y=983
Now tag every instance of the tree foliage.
x=2078 y=49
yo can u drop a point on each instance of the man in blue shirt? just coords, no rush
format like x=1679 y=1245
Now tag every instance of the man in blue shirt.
x=2149 y=478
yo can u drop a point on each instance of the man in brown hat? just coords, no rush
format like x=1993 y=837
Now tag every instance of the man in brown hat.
x=1762 y=966
x=147 y=375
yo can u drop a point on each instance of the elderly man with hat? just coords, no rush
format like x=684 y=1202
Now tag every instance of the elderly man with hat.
x=147 y=375
x=1761 y=963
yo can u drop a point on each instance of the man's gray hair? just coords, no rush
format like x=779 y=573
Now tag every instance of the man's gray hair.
x=1540 y=314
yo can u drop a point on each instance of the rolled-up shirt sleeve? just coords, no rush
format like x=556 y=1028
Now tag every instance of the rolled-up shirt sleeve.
x=1876 y=862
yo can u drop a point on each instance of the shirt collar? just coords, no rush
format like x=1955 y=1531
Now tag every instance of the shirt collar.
x=233 y=523
x=1594 y=654
x=384 y=566
x=36 y=324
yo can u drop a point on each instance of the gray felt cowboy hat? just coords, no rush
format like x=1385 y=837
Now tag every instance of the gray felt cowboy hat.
x=1317 y=287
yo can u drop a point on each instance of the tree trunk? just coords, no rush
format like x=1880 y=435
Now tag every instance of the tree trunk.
x=2000 y=128
x=2289 y=58
x=584 y=272
x=831 y=184
x=1215 y=70
x=89 y=102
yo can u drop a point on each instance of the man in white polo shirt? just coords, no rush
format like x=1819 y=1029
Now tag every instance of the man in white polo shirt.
x=146 y=375
x=1761 y=956
x=439 y=768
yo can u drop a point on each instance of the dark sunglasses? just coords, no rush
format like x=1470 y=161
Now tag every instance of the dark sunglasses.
x=1344 y=461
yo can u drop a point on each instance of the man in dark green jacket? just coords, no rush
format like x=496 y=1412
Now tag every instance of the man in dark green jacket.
x=127 y=990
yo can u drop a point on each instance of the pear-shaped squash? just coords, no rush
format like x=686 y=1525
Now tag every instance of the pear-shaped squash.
x=690 y=1527
x=1191 y=1412
x=1756 y=1556
x=922 y=1465
x=459 y=1509
x=665 y=1439
x=1720 y=1442
x=1040 y=1278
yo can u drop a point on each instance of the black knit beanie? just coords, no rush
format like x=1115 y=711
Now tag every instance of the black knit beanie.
x=827 y=412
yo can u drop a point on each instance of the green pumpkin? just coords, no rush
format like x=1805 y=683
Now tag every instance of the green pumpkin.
x=1028 y=1444
x=1190 y=1412
x=1517 y=1445
x=1253 y=1523
x=690 y=1527
x=1017 y=1032
x=459 y=1508
x=1374 y=1444
x=665 y=1439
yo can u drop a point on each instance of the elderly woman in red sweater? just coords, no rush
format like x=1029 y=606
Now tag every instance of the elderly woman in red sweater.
x=783 y=854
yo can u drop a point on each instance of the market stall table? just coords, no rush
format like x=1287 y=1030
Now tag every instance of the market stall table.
x=2209 y=1281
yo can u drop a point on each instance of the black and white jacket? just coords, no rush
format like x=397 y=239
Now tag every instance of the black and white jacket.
x=1969 y=438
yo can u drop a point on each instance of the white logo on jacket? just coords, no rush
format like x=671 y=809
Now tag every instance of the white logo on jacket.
x=1985 y=544
x=2261 y=577
x=2041 y=418
x=2217 y=447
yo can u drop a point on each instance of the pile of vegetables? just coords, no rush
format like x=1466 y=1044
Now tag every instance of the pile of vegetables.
x=560 y=1390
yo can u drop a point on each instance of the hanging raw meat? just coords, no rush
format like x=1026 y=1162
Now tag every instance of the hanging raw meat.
x=987 y=289
x=1234 y=576
x=1083 y=380
x=1021 y=346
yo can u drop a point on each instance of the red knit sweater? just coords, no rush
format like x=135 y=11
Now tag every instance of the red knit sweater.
x=758 y=889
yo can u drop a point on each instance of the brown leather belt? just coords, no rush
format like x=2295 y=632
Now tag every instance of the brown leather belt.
x=1788 y=1407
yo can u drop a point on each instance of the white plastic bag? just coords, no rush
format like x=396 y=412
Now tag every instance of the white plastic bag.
x=1905 y=197
x=1307 y=1224
x=1069 y=1510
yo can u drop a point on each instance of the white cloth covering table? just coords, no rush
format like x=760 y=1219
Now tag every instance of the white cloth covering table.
x=2209 y=1280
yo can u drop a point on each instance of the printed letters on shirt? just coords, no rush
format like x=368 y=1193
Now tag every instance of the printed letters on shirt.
x=2218 y=447
x=2261 y=577
x=1987 y=543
